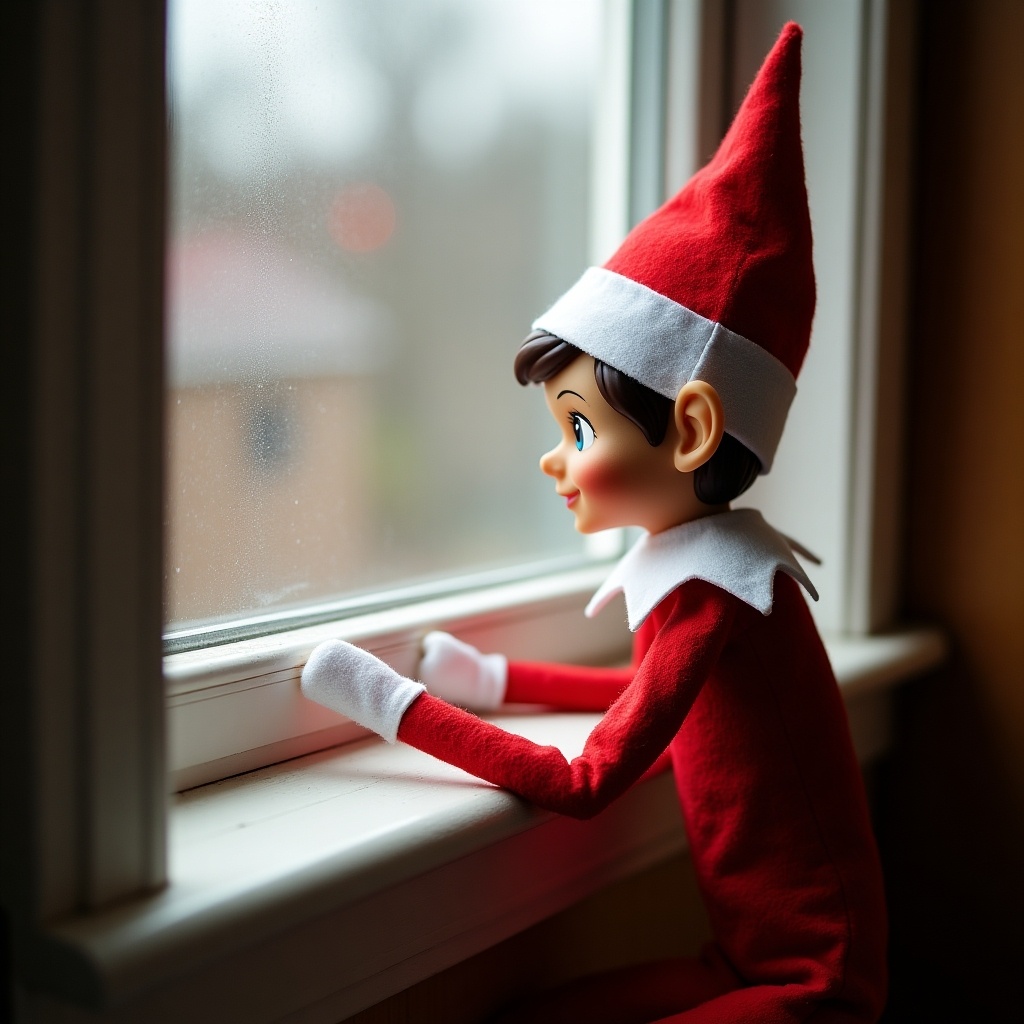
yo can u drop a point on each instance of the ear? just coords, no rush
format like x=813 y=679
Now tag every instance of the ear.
x=700 y=423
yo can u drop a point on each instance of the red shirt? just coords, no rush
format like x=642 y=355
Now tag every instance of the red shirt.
x=769 y=786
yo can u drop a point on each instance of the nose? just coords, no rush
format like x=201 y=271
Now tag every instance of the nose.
x=552 y=463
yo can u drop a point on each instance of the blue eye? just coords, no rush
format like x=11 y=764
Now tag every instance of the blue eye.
x=582 y=430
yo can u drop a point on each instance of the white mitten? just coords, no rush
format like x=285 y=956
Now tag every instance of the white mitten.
x=354 y=683
x=460 y=674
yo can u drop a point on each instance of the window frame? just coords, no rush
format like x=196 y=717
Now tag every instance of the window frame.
x=92 y=711
x=85 y=822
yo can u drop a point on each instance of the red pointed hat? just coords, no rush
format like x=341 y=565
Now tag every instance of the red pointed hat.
x=718 y=284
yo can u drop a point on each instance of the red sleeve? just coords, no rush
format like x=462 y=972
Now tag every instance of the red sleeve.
x=572 y=687
x=625 y=743
x=566 y=687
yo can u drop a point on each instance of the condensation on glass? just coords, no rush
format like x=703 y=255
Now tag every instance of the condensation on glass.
x=370 y=203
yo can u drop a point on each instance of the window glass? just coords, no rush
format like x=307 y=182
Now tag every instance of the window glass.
x=370 y=201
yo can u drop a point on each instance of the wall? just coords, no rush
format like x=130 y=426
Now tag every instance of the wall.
x=951 y=828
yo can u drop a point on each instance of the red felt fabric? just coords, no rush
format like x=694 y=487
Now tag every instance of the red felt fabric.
x=734 y=245
x=778 y=824
x=573 y=687
x=633 y=733
x=565 y=687
x=768 y=784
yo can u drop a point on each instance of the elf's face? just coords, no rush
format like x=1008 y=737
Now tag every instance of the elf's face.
x=604 y=467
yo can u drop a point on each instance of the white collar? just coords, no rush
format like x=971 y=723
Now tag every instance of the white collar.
x=737 y=551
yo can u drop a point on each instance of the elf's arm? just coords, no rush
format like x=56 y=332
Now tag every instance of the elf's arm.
x=622 y=747
x=566 y=687
x=460 y=674
x=573 y=687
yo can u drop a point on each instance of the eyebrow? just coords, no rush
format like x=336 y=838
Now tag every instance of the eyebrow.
x=566 y=391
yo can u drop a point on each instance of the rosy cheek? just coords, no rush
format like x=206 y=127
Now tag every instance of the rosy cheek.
x=599 y=477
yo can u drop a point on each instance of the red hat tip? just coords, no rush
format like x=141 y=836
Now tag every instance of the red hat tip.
x=733 y=248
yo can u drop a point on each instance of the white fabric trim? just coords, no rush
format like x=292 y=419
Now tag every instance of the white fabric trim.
x=458 y=673
x=662 y=344
x=736 y=551
x=354 y=683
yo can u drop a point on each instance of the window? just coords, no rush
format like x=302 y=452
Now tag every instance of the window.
x=369 y=204
x=664 y=101
x=84 y=812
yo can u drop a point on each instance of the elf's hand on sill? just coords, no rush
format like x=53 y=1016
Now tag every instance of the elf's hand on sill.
x=358 y=685
x=460 y=674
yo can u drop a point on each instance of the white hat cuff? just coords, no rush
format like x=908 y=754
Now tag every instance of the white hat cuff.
x=663 y=345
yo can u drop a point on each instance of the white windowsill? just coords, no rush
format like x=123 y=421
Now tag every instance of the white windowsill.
x=236 y=707
x=311 y=889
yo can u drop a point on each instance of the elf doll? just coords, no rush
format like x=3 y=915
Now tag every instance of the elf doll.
x=670 y=371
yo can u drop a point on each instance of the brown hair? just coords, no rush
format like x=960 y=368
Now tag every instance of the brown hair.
x=542 y=355
x=726 y=475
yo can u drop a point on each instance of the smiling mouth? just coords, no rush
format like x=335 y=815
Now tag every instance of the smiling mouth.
x=570 y=499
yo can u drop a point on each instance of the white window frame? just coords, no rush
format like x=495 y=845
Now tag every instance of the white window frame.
x=847 y=419
x=86 y=825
